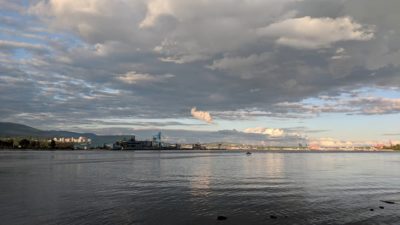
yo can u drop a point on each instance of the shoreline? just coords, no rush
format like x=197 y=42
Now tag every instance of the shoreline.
x=206 y=151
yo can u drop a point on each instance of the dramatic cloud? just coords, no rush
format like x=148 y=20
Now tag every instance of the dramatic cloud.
x=307 y=32
x=64 y=61
x=201 y=115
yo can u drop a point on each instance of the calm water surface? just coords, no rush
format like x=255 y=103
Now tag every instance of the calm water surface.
x=196 y=187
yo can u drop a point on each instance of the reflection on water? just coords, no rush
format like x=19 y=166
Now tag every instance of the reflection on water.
x=200 y=181
x=274 y=165
x=196 y=187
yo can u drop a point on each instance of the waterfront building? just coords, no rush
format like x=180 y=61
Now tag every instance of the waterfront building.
x=72 y=140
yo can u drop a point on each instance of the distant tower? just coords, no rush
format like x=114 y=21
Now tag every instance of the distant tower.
x=157 y=138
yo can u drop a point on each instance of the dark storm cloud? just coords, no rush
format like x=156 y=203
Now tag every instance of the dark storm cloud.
x=160 y=58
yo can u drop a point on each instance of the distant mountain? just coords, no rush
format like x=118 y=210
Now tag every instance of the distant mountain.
x=14 y=129
x=19 y=130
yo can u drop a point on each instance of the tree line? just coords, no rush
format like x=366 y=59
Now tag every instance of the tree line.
x=30 y=143
x=393 y=147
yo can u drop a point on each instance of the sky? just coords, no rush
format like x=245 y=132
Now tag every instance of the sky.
x=323 y=72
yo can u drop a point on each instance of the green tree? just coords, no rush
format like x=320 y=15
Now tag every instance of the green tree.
x=53 y=144
x=24 y=143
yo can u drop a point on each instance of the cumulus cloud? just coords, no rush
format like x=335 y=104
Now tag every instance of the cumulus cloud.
x=201 y=115
x=311 y=33
x=271 y=132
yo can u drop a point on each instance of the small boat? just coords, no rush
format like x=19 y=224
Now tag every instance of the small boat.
x=248 y=153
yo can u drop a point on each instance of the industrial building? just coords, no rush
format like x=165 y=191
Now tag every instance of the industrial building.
x=154 y=144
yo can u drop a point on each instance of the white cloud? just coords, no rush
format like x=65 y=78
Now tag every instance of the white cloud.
x=340 y=54
x=312 y=33
x=327 y=142
x=271 y=132
x=15 y=44
x=155 y=8
x=133 y=77
x=201 y=115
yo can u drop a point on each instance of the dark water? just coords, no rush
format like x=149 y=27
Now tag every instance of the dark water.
x=196 y=187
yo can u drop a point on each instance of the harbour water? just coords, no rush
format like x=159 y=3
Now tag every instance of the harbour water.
x=144 y=187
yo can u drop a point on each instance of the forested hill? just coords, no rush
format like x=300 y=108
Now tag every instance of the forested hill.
x=19 y=130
